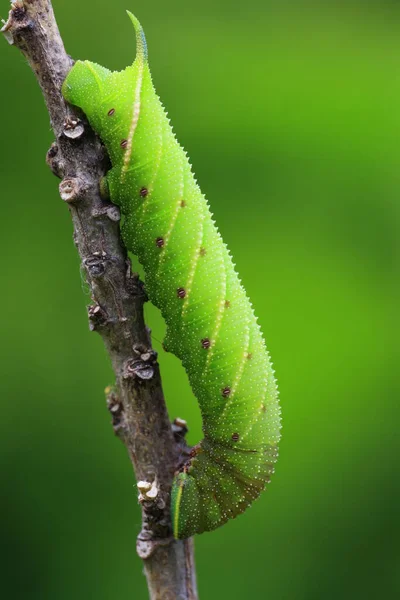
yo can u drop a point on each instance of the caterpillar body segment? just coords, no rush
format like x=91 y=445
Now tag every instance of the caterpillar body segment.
x=190 y=277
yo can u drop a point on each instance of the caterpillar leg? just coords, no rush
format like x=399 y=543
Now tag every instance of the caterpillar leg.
x=104 y=188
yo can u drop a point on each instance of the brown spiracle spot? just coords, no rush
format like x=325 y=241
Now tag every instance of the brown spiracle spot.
x=202 y=251
x=143 y=192
x=160 y=242
x=111 y=112
x=205 y=342
x=263 y=408
x=181 y=292
x=124 y=144
x=226 y=391
x=183 y=203
x=235 y=437
x=249 y=356
x=227 y=303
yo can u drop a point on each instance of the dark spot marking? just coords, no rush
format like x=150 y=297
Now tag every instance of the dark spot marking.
x=183 y=203
x=111 y=112
x=227 y=303
x=143 y=192
x=205 y=342
x=124 y=144
x=249 y=356
x=160 y=242
x=52 y=151
x=18 y=11
x=226 y=391
x=235 y=437
x=263 y=408
x=202 y=251
x=181 y=292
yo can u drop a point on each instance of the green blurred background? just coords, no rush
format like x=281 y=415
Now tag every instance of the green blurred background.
x=290 y=114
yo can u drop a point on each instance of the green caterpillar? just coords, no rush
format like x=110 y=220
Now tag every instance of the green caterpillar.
x=190 y=277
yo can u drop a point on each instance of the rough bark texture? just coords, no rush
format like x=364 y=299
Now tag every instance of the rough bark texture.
x=136 y=403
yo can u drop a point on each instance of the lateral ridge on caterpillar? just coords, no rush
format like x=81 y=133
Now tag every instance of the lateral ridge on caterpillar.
x=190 y=277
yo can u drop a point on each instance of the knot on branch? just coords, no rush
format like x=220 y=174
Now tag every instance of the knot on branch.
x=179 y=431
x=153 y=501
x=72 y=189
x=16 y=16
x=99 y=262
x=156 y=524
x=96 y=264
x=18 y=11
x=135 y=285
x=116 y=410
x=17 y=21
x=113 y=213
x=55 y=163
x=73 y=128
x=142 y=366
x=149 y=492
x=97 y=317
x=111 y=210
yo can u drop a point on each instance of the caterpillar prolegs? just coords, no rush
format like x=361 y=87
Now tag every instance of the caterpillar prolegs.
x=190 y=277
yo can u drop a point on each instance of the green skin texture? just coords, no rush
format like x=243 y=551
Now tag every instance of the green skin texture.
x=190 y=277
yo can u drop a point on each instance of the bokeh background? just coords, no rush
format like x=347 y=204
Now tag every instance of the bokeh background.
x=290 y=113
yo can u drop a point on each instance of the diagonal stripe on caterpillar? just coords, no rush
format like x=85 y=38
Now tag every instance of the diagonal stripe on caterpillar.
x=190 y=277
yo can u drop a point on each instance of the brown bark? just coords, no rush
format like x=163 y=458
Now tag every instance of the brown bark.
x=136 y=404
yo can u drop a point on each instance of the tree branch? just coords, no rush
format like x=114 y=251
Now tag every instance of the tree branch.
x=136 y=404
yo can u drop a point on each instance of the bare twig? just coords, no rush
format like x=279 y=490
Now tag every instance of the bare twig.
x=136 y=404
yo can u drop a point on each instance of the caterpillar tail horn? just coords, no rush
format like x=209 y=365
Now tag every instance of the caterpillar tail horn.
x=141 y=44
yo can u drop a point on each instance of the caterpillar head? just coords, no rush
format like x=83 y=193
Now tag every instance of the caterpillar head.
x=84 y=84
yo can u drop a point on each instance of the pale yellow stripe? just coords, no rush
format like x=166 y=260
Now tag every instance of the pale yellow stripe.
x=218 y=322
x=239 y=371
x=151 y=184
x=170 y=229
x=176 y=514
x=258 y=413
x=134 y=122
x=193 y=267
